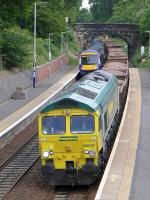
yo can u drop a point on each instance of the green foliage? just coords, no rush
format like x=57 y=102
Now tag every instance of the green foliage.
x=144 y=22
x=135 y=11
x=17 y=25
x=71 y=8
x=101 y=9
x=84 y=16
x=73 y=43
x=15 y=47
x=41 y=51
x=72 y=3
x=48 y=22
x=73 y=60
x=138 y=61
x=14 y=11
x=122 y=11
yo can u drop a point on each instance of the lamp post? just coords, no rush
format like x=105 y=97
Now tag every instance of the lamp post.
x=149 y=48
x=67 y=39
x=34 y=45
x=62 y=41
x=49 y=47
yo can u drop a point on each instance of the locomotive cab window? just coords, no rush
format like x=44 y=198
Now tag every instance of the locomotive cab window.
x=53 y=125
x=82 y=124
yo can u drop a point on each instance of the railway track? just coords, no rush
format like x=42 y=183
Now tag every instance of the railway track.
x=73 y=193
x=15 y=167
x=24 y=158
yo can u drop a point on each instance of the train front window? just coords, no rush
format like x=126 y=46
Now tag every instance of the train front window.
x=54 y=125
x=82 y=124
x=89 y=59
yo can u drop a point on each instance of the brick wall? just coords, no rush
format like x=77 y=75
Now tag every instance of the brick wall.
x=44 y=71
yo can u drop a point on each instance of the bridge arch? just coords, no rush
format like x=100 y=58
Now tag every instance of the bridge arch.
x=86 y=32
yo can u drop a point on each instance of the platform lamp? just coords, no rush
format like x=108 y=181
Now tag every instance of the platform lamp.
x=49 y=47
x=149 y=49
x=67 y=39
x=34 y=45
x=62 y=41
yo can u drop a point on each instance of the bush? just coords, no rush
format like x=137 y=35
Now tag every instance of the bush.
x=73 y=60
x=17 y=48
x=14 y=47
x=138 y=61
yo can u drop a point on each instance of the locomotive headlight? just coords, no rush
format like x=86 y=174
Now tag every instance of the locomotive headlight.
x=92 y=153
x=45 y=154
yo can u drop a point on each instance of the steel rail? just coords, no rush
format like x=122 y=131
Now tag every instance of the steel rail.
x=16 y=166
x=65 y=193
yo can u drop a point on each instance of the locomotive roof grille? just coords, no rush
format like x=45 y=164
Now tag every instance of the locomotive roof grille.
x=89 y=93
x=86 y=93
x=81 y=91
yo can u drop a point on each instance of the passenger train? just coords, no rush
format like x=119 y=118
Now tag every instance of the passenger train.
x=93 y=58
x=75 y=128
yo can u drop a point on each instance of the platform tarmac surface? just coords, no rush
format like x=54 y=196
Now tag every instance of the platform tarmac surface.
x=127 y=175
x=117 y=178
x=10 y=106
x=140 y=189
x=26 y=107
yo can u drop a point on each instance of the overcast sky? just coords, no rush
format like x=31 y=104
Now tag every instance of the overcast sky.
x=85 y=3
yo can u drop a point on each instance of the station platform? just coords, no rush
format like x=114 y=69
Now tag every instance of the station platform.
x=14 y=109
x=127 y=175
x=140 y=187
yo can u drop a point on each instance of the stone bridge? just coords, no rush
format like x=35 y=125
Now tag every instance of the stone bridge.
x=86 y=32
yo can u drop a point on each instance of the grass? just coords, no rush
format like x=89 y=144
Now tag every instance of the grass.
x=138 y=61
x=73 y=60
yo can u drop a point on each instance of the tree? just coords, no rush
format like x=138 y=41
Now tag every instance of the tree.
x=17 y=24
x=14 y=11
x=145 y=20
x=84 y=16
x=71 y=8
x=15 y=47
x=49 y=22
x=101 y=9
